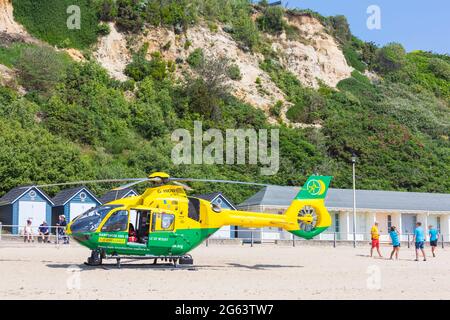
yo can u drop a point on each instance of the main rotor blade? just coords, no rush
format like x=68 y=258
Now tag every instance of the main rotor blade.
x=129 y=185
x=183 y=185
x=219 y=181
x=85 y=182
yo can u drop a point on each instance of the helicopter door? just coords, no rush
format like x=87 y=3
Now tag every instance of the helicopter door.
x=143 y=226
x=140 y=223
x=162 y=235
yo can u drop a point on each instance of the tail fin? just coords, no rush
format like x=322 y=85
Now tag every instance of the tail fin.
x=308 y=209
x=316 y=187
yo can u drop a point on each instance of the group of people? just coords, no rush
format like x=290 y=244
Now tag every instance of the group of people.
x=418 y=239
x=44 y=231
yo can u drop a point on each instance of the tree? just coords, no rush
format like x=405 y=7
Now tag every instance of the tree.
x=369 y=53
x=206 y=91
x=341 y=29
x=390 y=58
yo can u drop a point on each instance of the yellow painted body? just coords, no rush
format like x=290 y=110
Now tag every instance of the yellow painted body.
x=194 y=220
x=173 y=199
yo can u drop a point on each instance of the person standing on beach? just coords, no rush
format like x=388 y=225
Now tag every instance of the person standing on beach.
x=434 y=236
x=419 y=240
x=394 y=234
x=375 y=235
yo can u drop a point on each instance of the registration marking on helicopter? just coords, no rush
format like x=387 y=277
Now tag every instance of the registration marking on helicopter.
x=112 y=240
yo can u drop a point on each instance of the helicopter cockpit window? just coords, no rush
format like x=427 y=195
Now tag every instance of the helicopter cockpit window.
x=90 y=220
x=117 y=222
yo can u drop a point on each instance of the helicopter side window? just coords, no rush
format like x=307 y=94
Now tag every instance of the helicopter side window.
x=194 y=208
x=117 y=222
x=163 y=222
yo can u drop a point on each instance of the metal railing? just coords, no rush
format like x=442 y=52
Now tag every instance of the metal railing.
x=258 y=236
x=248 y=236
x=56 y=234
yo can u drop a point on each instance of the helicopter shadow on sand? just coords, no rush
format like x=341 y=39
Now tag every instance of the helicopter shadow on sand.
x=123 y=265
x=168 y=266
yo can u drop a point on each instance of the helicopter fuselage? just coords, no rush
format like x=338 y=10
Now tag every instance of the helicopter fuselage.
x=165 y=221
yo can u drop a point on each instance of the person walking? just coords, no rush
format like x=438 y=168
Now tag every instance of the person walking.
x=375 y=235
x=434 y=236
x=395 y=237
x=419 y=240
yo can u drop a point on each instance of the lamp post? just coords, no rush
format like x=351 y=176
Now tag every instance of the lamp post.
x=354 y=200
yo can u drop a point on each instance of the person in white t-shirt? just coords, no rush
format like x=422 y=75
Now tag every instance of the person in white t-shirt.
x=28 y=232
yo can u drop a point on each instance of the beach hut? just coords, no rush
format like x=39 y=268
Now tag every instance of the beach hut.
x=73 y=202
x=25 y=203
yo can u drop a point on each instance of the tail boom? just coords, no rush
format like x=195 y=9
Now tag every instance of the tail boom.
x=306 y=217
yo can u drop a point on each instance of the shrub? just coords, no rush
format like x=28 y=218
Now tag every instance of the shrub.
x=271 y=20
x=245 y=30
x=440 y=68
x=293 y=33
x=309 y=109
x=275 y=110
x=107 y=10
x=390 y=58
x=129 y=16
x=40 y=68
x=10 y=54
x=187 y=44
x=234 y=72
x=140 y=67
x=103 y=29
x=341 y=29
x=353 y=58
x=196 y=58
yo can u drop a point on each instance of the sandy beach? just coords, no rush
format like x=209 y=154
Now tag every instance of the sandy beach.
x=225 y=272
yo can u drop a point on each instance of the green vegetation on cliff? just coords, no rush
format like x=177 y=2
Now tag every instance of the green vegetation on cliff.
x=77 y=123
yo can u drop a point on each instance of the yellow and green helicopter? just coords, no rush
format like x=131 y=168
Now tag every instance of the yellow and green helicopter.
x=164 y=223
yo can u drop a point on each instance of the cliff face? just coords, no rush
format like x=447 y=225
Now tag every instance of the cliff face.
x=315 y=57
x=10 y=30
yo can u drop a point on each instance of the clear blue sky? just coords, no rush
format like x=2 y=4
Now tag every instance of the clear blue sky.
x=417 y=24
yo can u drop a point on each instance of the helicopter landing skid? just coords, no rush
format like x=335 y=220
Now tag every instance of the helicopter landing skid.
x=185 y=260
